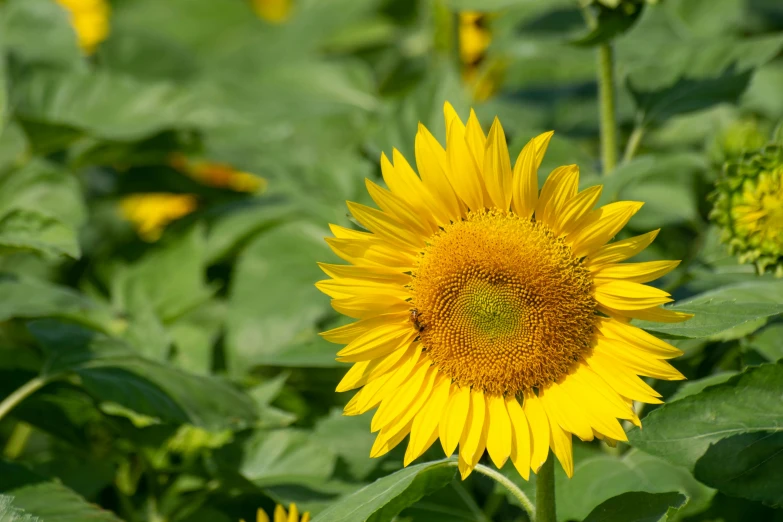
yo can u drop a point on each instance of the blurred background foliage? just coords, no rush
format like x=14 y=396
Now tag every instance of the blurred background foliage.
x=167 y=172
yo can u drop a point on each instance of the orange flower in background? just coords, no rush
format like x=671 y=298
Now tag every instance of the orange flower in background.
x=218 y=175
x=90 y=20
x=491 y=315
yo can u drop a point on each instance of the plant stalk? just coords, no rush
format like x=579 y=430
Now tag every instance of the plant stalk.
x=504 y=481
x=21 y=394
x=545 y=492
x=607 y=102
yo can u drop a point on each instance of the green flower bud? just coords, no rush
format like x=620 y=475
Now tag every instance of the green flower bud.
x=749 y=208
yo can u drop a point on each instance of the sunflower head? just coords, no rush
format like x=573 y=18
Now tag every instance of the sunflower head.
x=483 y=76
x=281 y=515
x=90 y=20
x=492 y=315
x=749 y=208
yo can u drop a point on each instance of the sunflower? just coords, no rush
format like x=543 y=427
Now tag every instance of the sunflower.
x=491 y=315
x=90 y=20
x=282 y=516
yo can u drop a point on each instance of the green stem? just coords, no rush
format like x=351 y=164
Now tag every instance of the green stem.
x=545 y=491
x=17 y=440
x=511 y=487
x=634 y=140
x=21 y=394
x=606 y=94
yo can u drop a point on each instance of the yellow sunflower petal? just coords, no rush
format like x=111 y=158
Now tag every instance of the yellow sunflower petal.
x=621 y=250
x=261 y=516
x=474 y=436
x=280 y=514
x=520 y=437
x=400 y=210
x=539 y=430
x=417 y=385
x=561 y=409
x=601 y=225
x=499 y=434
x=625 y=295
x=425 y=426
x=497 y=167
x=524 y=181
x=363 y=306
x=558 y=189
x=637 y=338
x=465 y=175
x=474 y=136
x=433 y=165
x=634 y=272
x=452 y=421
x=639 y=361
x=561 y=446
x=385 y=226
x=576 y=210
x=404 y=183
x=621 y=378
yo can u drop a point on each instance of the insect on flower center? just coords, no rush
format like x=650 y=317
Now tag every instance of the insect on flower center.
x=503 y=304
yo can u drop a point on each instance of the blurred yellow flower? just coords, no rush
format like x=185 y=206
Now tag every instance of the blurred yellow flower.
x=218 y=175
x=90 y=20
x=474 y=40
x=282 y=516
x=274 y=11
x=489 y=314
x=150 y=213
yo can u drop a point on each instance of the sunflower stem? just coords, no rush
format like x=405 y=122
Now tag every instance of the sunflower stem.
x=504 y=481
x=21 y=394
x=607 y=103
x=545 y=492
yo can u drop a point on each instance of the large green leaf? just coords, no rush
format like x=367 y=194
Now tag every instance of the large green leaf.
x=670 y=71
x=31 y=230
x=286 y=457
x=27 y=298
x=682 y=431
x=598 y=479
x=720 y=310
x=637 y=506
x=8 y=513
x=111 y=106
x=749 y=465
x=53 y=502
x=350 y=438
x=113 y=373
x=382 y=500
x=171 y=277
x=25 y=17
x=273 y=300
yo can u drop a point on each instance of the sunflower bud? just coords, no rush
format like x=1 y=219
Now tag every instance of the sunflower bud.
x=749 y=208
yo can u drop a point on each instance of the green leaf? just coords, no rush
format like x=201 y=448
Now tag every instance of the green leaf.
x=286 y=457
x=54 y=502
x=171 y=276
x=682 y=431
x=111 y=106
x=350 y=438
x=25 y=17
x=689 y=388
x=382 y=500
x=749 y=465
x=8 y=513
x=718 y=311
x=671 y=71
x=27 y=298
x=637 y=506
x=609 y=24
x=602 y=477
x=273 y=301
x=112 y=372
x=33 y=231
x=769 y=342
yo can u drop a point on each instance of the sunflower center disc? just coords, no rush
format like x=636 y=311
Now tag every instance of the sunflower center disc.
x=504 y=305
